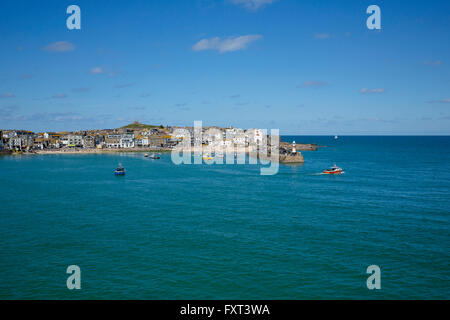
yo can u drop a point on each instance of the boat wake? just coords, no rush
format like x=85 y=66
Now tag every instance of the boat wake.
x=325 y=174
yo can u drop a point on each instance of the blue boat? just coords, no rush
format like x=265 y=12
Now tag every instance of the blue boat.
x=120 y=171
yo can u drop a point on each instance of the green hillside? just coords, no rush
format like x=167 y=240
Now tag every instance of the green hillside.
x=138 y=125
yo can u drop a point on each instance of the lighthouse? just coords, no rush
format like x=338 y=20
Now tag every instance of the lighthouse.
x=294 y=150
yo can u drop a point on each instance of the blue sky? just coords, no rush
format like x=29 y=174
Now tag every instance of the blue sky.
x=305 y=67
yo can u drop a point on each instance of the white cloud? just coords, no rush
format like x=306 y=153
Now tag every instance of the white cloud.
x=376 y=90
x=440 y=101
x=434 y=63
x=252 y=4
x=7 y=95
x=60 y=46
x=226 y=45
x=97 y=70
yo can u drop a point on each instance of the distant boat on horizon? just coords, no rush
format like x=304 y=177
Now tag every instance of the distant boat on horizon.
x=336 y=137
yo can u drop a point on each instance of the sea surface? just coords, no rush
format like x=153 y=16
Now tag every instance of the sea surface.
x=224 y=231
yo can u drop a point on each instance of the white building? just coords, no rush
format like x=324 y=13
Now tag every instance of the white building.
x=213 y=135
x=142 y=141
x=240 y=140
x=72 y=140
x=113 y=140
x=127 y=140
x=255 y=136
x=226 y=143
x=16 y=142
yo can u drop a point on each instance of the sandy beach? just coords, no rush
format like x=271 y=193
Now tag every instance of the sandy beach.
x=97 y=151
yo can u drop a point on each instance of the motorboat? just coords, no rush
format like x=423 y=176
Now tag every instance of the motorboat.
x=146 y=155
x=120 y=171
x=333 y=170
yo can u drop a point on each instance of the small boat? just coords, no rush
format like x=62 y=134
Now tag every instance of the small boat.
x=333 y=170
x=154 y=156
x=336 y=137
x=146 y=155
x=207 y=156
x=120 y=171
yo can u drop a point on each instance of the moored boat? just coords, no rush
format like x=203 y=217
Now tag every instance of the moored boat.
x=120 y=171
x=207 y=156
x=154 y=156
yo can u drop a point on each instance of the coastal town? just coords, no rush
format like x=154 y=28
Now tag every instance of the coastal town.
x=137 y=137
x=133 y=136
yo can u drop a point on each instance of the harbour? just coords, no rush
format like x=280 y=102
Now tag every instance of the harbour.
x=291 y=235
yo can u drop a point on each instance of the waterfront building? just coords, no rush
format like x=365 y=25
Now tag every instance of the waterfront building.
x=99 y=139
x=156 y=140
x=212 y=135
x=142 y=141
x=15 y=143
x=64 y=139
x=113 y=140
x=255 y=136
x=226 y=143
x=231 y=133
x=40 y=142
x=54 y=140
x=127 y=140
x=72 y=140
x=89 y=141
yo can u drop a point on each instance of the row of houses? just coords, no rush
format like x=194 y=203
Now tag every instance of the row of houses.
x=1 y=141
x=126 y=138
x=22 y=140
x=223 y=136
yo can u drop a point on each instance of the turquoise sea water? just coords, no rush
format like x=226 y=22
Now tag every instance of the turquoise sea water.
x=225 y=232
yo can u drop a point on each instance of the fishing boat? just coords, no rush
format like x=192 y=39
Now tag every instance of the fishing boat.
x=154 y=156
x=333 y=170
x=146 y=155
x=120 y=171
